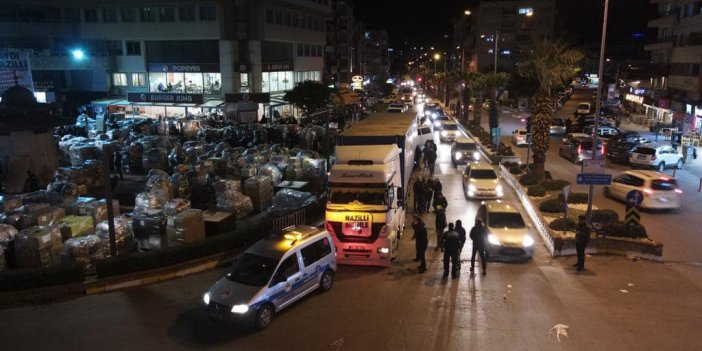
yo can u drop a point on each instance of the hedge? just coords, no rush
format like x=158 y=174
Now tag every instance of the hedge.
x=604 y=216
x=30 y=278
x=575 y=198
x=515 y=170
x=621 y=229
x=554 y=184
x=536 y=190
x=562 y=224
x=552 y=206
x=510 y=164
x=528 y=179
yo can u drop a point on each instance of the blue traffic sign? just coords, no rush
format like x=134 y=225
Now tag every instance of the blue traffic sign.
x=594 y=179
x=634 y=198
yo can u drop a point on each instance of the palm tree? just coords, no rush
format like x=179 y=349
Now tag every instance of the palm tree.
x=470 y=82
x=493 y=82
x=552 y=64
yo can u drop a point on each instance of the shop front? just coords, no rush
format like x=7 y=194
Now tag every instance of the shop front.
x=186 y=78
x=164 y=105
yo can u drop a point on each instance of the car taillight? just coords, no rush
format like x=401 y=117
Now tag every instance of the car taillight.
x=580 y=149
x=648 y=192
x=602 y=150
x=678 y=191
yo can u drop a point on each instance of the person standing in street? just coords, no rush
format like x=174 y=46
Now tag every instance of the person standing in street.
x=421 y=241
x=417 y=157
x=429 y=193
x=440 y=225
x=461 y=232
x=440 y=200
x=477 y=235
x=452 y=247
x=418 y=189
x=582 y=237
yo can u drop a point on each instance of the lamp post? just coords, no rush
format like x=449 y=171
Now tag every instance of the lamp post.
x=598 y=102
x=436 y=58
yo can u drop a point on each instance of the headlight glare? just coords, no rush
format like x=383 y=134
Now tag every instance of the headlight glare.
x=240 y=309
x=492 y=239
x=528 y=241
x=206 y=298
x=459 y=155
x=476 y=155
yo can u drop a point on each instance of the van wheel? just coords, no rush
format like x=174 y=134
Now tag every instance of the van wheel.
x=679 y=165
x=264 y=317
x=326 y=282
x=661 y=167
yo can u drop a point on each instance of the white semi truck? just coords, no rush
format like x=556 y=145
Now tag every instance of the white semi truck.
x=368 y=184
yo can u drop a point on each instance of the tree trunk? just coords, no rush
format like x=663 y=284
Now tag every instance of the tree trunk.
x=542 y=109
x=477 y=111
x=494 y=114
x=539 y=166
x=466 y=103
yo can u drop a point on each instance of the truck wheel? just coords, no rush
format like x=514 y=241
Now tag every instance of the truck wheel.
x=264 y=317
x=607 y=192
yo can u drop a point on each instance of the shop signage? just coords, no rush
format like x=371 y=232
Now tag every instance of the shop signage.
x=277 y=66
x=634 y=98
x=165 y=97
x=184 y=67
x=262 y=98
x=242 y=67
x=357 y=82
x=14 y=66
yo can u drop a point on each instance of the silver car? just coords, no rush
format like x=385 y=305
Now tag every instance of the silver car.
x=480 y=181
x=449 y=131
x=509 y=237
x=272 y=274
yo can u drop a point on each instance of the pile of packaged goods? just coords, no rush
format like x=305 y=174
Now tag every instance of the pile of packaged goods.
x=260 y=190
x=7 y=237
x=86 y=250
x=37 y=247
x=187 y=226
x=124 y=236
x=288 y=200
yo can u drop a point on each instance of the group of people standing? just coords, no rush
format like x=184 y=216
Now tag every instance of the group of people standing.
x=428 y=194
x=429 y=152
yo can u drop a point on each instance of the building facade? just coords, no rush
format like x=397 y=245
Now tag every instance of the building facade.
x=678 y=51
x=506 y=29
x=205 y=48
x=339 y=53
x=374 y=61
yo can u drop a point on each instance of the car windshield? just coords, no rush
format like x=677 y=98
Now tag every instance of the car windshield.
x=663 y=184
x=557 y=122
x=505 y=220
x=365 y=196
x=466 y=146
x=253 y=270
x=645 y=151
x=583 y=106
x=483 y=174
x=450 y=127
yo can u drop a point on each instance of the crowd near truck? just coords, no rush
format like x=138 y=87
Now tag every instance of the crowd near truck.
x=365 y=211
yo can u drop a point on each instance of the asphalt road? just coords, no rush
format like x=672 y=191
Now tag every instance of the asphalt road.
x=675 y=229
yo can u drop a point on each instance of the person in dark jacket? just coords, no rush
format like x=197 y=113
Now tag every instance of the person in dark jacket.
x=440 y=225
x=440 y=200
x=117 y=161
x=417 y=157
x=418 y=189
x=461 y=232
x=429 y=193
x=452 y=250
x=582 y=237
x=430 y=157
x=477 y=235
x=421 y=241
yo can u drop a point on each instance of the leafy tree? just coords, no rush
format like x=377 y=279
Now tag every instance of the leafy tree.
x=309 y=96
x=552 y=64
x=470 y=82
x=494 y=82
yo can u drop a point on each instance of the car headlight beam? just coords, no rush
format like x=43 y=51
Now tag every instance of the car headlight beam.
x=492 y=239
x=459 y=155
x=528 y=241
x=206 y=298
x=240 y=309
x=476 y=155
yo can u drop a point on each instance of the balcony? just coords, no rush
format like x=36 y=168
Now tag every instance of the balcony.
x=664 y=44
x=664 y=21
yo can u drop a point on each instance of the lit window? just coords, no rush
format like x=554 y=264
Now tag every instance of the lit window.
x=528 y=11
x=119 y=79
x=138 y=79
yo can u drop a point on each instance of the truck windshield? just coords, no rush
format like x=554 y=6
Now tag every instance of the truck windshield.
x=252 y=270
x=364 y=196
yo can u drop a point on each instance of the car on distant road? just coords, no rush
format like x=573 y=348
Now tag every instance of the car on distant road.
x=519 y=137
x=583 y=108
x=557 y=126
x=620 y=146
x=464 y=151
x=660 y=191
x=657 y=157
x=578 y=146
x=480 y=181
x=603 y=132
x=390 y=99
x=398 y=105
x=438 y=121
x=508 y=235
x=449 y=131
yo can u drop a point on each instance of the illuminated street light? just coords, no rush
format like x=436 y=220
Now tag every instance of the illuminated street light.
x=78 y=54
x=467 y=12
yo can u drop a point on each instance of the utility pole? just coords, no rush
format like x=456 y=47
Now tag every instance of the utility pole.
x=497 y=33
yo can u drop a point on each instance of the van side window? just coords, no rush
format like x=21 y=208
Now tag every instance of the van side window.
x=315 y=251
x=289 y=266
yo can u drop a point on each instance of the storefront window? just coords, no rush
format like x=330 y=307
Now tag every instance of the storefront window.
x=277 y=81
x=119 y=79
x=213 y=83
x=192 y=83
x=138 y=79
x=307 y=75
x=157 y=82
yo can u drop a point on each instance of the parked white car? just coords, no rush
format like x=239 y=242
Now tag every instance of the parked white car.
x=660 y=157
x=659 y=189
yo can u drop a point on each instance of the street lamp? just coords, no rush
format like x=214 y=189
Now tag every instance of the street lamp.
x=467 y=12
x=436 y=58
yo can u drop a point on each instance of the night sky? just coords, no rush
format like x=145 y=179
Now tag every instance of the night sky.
x=425 y=22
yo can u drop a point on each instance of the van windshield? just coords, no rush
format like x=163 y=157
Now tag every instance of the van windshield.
x=252 y=270
x=365 y=196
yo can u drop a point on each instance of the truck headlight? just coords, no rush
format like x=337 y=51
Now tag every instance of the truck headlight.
x=476 y=155
x=384 y=250
x=206 y=298
x=240 y=309
x=528 y=241
x=492 y=239
x=437 y=124
x=459 y=155
x=444 y=133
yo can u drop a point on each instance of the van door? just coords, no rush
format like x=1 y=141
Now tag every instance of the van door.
x=285 y=279
x=315 y=260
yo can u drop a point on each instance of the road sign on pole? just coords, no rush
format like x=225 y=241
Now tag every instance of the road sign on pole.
x=633 y=217
x=633 y=200
x=594 y=179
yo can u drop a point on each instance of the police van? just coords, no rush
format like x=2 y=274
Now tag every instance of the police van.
x=272 y=274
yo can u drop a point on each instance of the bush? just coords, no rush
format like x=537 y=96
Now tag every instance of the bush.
x=510 y=164
x=575 y=198
x=527 y=179
x=30 y=278
x=515 y=170
x=622 y=230
x=604 y=216
x=552 y=206
x=562 y=224
x=536 y=190
x=554 y=184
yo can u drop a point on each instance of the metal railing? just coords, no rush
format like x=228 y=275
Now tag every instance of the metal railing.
x=294 y=218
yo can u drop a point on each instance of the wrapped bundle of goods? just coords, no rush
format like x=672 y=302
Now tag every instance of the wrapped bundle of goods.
x=79 y=153
x=18 y=220
x=219 y=166
x=96 y=172
x=124 y=236
x=9 y=203
x=158 y=181
x=187 y=226
x=205 y=167
x=114 y=134
x=313 y=170
x=73 y=208
x=7 y=234
x=30 y=208
x=134 y=158
x=150 y=201
x=260 y=189
x=85 y=250
x=249 y=170
x=34 y=197
x=182 y=169
x=272 y=171
x=42 y=216
x=189 y=128
x=155 y=158
x=280 y=161
x=223 y=185
x=37 y=247
x=234 y=201
x=177 y=157
x=107 y=145
x=176 y=206
x=180 y=185
x=75 y=175
x=7 y=246
x=98 y=209
x=150 y=230
x=286 y=200
x=61 y=191
x=74 y=226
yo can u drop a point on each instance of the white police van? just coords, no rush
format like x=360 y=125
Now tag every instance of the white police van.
x=272 y=274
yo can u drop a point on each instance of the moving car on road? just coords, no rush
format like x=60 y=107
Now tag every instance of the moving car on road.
x=272 y=274
x=557 y=127
x=509 y=237
x=604 y=132
x=578 y=146
x=464 y=151
x=449 y=131
x=659 y=189
x=583 y=108
x=480 y=181
x=658 y=157
x=438 y=121
x=519 y=137
x=397 y=106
